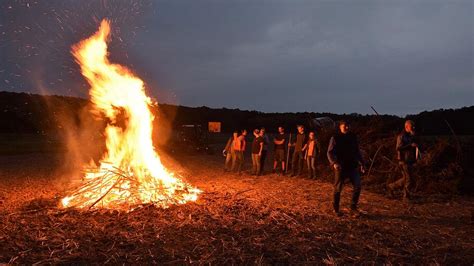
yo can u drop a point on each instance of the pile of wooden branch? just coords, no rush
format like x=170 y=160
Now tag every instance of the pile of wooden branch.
x=113 y=188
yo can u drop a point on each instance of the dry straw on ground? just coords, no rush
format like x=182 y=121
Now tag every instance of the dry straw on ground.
x=238 y=219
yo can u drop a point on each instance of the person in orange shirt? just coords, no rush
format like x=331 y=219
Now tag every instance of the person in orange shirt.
x=312 y=148
x=239 y=147
x=228 y=151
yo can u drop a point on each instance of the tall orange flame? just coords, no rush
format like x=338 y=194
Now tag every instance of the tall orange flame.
x=131 y=172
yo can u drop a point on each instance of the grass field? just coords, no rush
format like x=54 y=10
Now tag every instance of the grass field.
x=238 y=219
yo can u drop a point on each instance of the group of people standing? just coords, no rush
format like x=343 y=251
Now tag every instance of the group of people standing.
x=343 y=153
x=305 y=148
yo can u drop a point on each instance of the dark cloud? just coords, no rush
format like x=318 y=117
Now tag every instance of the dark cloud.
x=337 y=56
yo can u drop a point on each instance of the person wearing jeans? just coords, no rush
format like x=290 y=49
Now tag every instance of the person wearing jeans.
x=345 y=157
x=407 y=154
x=279 y=151
x=239 y=149
x=298 y=156
x=266 y=141
x=353 y=175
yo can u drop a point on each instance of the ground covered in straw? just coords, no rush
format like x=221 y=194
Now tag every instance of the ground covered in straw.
x=238 y=219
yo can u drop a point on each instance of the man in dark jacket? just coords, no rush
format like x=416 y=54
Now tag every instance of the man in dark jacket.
x=345 y=157
x=279 y=152
x=407 y=155
x=257 y=148
x=298 y=156
x=266 y=141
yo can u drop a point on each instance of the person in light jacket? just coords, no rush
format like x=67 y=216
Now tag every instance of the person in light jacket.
x=312 y=149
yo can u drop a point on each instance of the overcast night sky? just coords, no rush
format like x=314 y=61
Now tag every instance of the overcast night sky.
x=273 y=56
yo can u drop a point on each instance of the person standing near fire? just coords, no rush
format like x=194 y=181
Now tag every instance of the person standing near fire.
x=345 y=157
x=257 y=148
x=228 y=151
x=298 y=156
x=266 y=142
x=279 y=156
x=408 y=153
x=239 y=149
x=312 y=148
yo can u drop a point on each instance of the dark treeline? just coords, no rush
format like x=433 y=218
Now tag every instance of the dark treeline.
x=23 y=113
x=234 y=119
x=436 y=122
x=38 y=114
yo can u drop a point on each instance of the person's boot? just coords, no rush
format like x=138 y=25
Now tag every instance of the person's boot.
x=355 y=199
x=406 y=197
x=354 y=211
x=390 y=191
x=335 y=203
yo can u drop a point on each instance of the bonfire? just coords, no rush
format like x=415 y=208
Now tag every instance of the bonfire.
x=130 y=173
